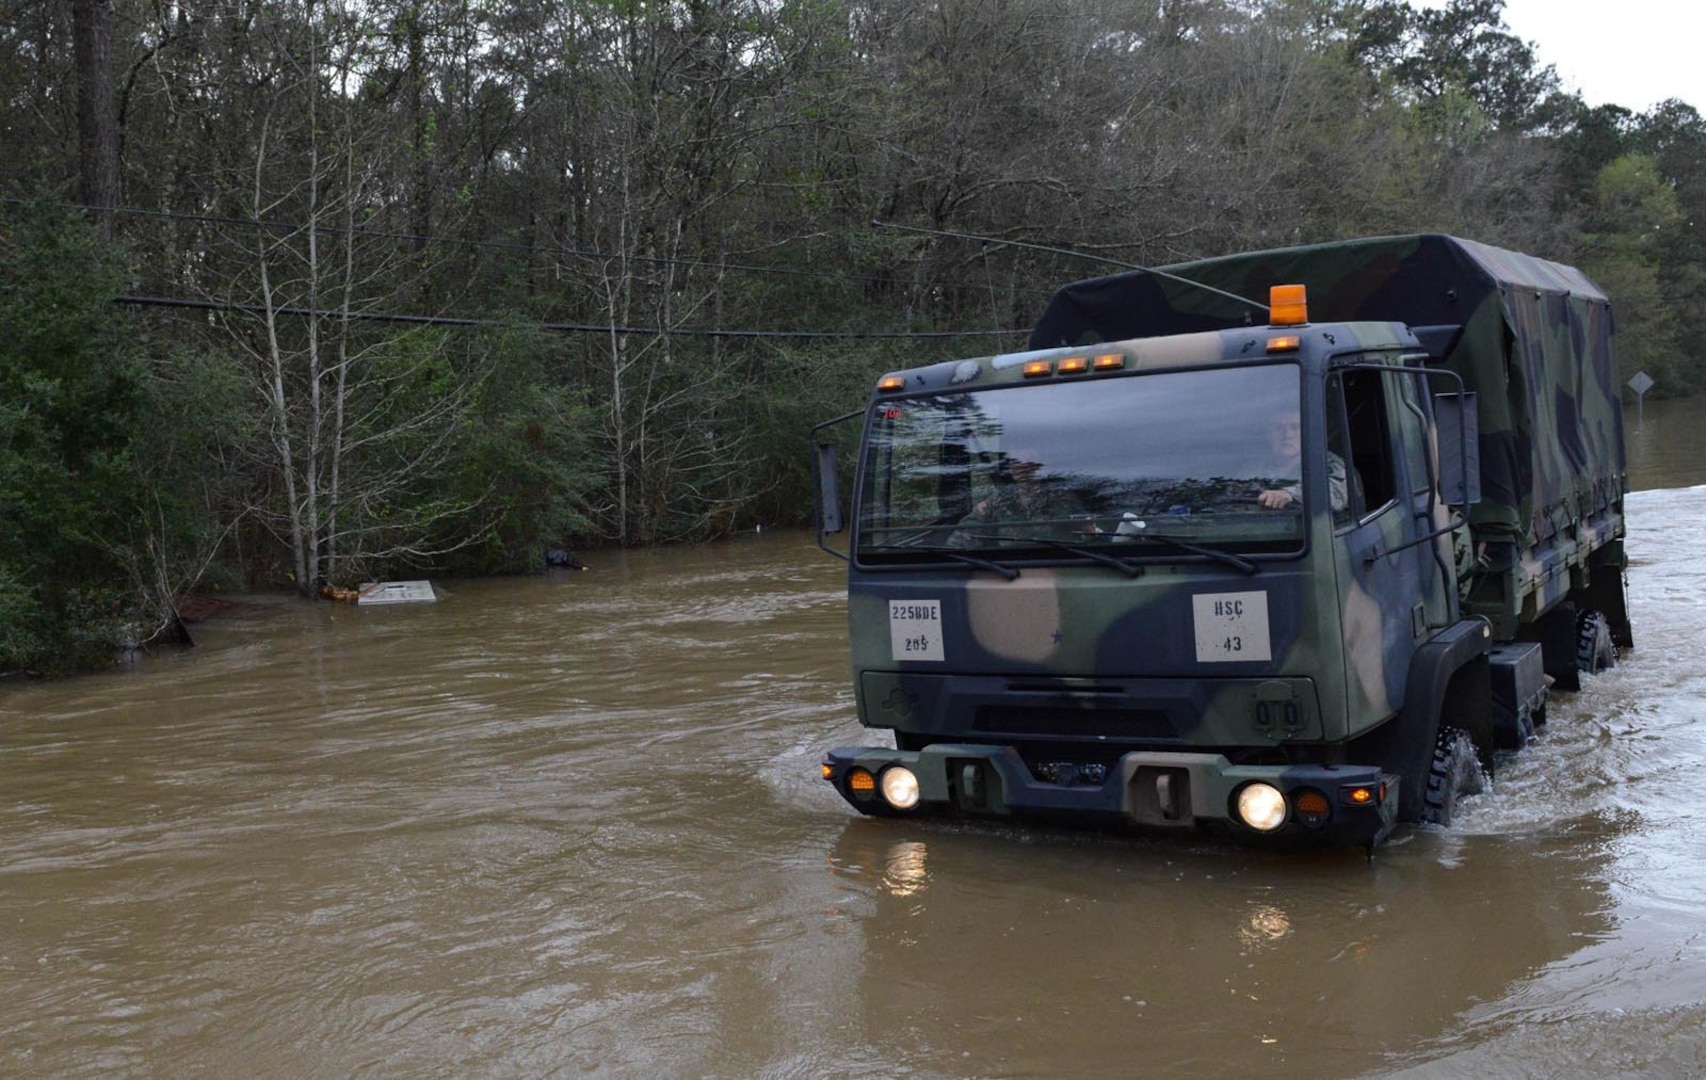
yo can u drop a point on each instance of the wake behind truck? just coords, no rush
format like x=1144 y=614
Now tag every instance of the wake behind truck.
x=1196 y=563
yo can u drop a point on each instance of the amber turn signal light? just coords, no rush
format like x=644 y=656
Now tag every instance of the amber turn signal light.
x=1360 y=795
x=1311 y=808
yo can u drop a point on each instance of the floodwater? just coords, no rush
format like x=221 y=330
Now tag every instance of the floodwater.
x=572 y=825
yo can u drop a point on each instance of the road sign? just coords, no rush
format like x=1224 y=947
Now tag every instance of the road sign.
x=1641 y=382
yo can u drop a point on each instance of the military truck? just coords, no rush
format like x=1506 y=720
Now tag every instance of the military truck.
x=1193 y=562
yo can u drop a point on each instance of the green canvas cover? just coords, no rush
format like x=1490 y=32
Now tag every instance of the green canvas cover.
x=1536 y=347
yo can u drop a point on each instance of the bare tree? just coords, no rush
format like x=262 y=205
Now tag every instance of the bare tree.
x=358 y=418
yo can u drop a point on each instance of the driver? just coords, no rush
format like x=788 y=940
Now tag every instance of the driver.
x=1284 y=462
x=1023 y=495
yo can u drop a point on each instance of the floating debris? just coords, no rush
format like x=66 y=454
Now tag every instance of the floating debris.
x=199 y=607
x=396 y=592
x=563 y=559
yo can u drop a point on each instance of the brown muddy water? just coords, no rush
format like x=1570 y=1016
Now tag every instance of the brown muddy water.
x=572 y=825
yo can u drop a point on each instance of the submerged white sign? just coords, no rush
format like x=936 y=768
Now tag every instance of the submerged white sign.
x=915 y=629
x=1231 y=627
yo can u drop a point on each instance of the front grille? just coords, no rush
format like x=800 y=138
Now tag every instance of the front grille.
x=1054 y=721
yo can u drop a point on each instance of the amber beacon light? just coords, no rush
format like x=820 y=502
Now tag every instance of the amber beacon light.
x=1288 y=305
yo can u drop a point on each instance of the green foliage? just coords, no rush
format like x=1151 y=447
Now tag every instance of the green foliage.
x=1459 y=48
x=117 y=474
x=1592 y=140
x=1632 y=212
x=69 y=407
x=521 y=463
x=24 y=634
x=806 y=386
x=198 y=423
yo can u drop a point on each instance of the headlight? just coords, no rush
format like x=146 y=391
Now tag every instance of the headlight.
x=900 y=787
x=1261 y=806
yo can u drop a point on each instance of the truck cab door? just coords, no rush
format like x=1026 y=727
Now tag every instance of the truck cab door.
x=1379 y=573
x=1419 y=491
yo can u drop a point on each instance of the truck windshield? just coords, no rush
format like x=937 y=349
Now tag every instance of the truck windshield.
x=1136 y=466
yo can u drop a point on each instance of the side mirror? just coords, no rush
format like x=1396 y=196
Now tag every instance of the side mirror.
x=825 y=486
x=1459 y=449
x=828 y=493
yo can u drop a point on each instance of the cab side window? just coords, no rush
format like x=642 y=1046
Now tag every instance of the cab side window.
x=1360 y=435
x=1413 y=423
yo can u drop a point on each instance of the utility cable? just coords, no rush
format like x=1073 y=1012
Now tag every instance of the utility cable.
x=1150 y=270
x=495 y=245
x=564 y=328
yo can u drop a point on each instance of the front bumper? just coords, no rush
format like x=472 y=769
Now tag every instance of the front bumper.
x=1167 y=791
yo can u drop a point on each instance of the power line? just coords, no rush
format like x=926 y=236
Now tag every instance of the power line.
x=987 y=240
x=564 y=328
x=495 y=245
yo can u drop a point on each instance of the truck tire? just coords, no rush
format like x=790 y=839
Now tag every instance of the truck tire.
x=1594 y=649
x=1454 y=772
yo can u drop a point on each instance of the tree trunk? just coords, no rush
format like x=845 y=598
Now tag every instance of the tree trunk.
x=97 y=125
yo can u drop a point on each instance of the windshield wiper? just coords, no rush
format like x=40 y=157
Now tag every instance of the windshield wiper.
x=1216 y=554
x=1124 y=566
x=1008 y=572
x=911 y=538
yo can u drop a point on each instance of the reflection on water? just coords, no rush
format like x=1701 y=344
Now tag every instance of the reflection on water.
x=573 y=824
x=1043 y=949
x=1666 y=444
x=906 y=873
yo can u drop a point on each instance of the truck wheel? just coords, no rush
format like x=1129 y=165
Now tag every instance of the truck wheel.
x=1594 y=649
x=1455 y=771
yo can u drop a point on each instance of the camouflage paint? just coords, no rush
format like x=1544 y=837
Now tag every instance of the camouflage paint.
x=1536 y=348
x=1075 y=661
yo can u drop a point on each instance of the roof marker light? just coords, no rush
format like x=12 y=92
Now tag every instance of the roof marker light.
x=1035 y=368
x=1288 y=305
x=1074 y=365
x=1286 y=343
x=890 y=383
x=1110 y=362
